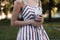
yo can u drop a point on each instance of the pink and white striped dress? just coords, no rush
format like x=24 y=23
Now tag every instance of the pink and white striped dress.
x=29 y=32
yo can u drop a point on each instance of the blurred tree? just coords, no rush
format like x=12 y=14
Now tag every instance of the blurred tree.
x=58 y=5
x=51 y=4
x=6 y=7
x=47 y=5
x=0 y=7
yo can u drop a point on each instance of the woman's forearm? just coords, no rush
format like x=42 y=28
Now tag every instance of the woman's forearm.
x=21 y=23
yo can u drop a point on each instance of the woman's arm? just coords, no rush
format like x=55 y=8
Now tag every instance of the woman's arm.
x=14 y=22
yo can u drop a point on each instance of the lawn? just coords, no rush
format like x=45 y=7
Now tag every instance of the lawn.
x=9 y=33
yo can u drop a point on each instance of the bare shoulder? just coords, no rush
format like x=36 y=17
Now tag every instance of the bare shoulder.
x=18 y=3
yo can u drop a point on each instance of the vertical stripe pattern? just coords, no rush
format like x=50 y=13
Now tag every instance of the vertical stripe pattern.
x=29 y=32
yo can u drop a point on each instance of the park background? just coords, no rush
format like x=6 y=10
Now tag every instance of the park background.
x=51 y=11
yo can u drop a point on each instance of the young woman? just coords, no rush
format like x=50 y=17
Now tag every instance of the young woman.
x=31 y=28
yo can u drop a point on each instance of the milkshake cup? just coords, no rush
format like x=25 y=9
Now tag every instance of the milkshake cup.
x=38 y=12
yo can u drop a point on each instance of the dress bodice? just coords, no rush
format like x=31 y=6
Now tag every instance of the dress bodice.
x=29 y=12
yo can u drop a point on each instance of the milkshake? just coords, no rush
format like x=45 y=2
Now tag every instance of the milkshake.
x=38 y=12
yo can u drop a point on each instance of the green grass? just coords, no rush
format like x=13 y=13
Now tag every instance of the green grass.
x=9 y=33
x=53 y=30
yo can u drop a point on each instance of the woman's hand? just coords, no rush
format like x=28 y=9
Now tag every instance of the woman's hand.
x=38 y=23
x=38 y=17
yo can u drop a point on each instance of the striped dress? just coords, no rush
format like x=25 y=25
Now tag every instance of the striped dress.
x=29 y=32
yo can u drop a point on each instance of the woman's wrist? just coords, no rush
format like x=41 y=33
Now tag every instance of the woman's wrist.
x=27 y=22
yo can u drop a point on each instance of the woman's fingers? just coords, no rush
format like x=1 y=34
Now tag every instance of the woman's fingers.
x=40 y=18
x=41 y=15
